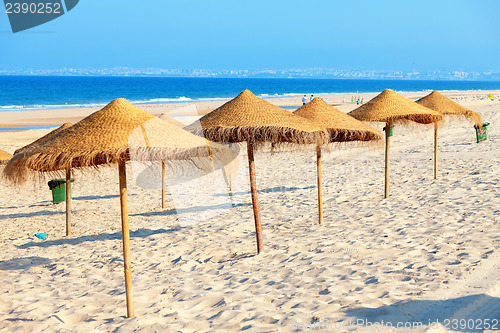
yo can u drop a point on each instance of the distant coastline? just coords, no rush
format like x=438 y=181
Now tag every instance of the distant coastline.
x=308 y=73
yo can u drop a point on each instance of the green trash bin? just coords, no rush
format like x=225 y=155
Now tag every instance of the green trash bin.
x=391 y=133
x=482 y=133
x=58 y=187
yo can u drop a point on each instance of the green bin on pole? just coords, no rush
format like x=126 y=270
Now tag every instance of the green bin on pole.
x=58 y=187
x=391 y=133
x=482 y=132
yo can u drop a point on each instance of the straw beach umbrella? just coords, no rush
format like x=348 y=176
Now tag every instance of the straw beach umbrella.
x=68 y=172
x=248 y=118
x=116 y=134
x=341 y=128
x=448 y=108
x=391 y=108
x=4 y=157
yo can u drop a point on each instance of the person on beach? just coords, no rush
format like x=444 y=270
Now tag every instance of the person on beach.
x=343 y=99
x=357 y=101
x=352 y=99
x=311 y=98
x=304 y=100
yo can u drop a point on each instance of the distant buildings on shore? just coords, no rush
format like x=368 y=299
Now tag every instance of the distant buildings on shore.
x=317 y=73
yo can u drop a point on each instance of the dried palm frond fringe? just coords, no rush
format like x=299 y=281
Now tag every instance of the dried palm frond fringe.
x=337 y=135
x=19 y=168
x=261 y=135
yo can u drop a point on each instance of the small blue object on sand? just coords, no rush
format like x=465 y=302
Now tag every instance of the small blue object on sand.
x=41 y=235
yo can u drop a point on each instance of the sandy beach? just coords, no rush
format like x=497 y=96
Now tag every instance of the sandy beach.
x=429 y=254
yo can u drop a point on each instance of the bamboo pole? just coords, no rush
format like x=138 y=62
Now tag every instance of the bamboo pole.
x=435 y=150
x=227 y=180
x=162 y=183
x=126 y=238
x=387 y=156
x=211 y=156
x=320 y=194
x=68 y=202
x=255 y=200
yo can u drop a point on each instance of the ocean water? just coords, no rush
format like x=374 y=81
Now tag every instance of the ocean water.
x=46 y=92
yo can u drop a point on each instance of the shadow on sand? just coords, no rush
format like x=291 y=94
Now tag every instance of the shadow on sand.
x=139 y=233
x=270 y=190
x=22 y=263
x=474 y=309
x=196 y=209
x=96 y=197
x=32 y=214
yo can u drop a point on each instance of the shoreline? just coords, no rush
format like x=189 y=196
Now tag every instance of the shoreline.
x=56 y=117
x=429 y=253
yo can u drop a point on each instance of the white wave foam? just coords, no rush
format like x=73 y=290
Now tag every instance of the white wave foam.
x=213 y=99
x=163 y=100
x=88 y=105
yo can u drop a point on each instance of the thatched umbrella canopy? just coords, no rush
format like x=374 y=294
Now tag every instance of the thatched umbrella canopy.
x=248 y=118
x=448 y=108
x=341 y=128
x=4 y=157
x=390 y=107
x=115 y=134
x=43 y=138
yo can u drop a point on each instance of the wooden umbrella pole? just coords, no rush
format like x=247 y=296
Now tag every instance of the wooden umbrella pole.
x=68 y=202
x=320 y=195
x=255 y=200
x=387 y=156
x=210 y=155
x=162 y=183
x=126 y=238
x=435 y=150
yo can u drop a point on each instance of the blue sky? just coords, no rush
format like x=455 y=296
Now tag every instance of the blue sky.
x=363 y=35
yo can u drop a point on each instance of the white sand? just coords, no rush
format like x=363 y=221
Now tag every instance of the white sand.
x=429 y=252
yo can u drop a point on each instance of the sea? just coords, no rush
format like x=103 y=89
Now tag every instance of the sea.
x=18 y=93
